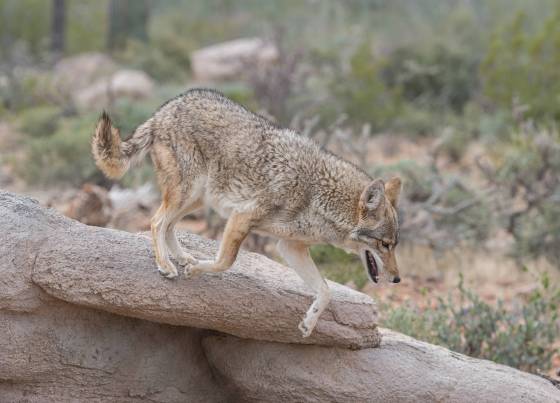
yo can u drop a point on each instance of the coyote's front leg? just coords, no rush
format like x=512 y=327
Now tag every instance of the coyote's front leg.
x=237 y=228
x=296 y=254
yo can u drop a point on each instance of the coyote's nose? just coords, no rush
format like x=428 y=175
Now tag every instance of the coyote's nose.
x=396 y=279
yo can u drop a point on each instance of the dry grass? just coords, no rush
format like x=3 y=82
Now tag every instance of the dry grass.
x=426 y=274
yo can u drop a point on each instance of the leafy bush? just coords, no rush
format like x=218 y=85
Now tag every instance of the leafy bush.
x=25 y=20
x=473 y=223
x=339 y=266
x=524 y=171
x=174 y=32
x=413 y=119
x=241 y=93
x=58 y=149
x=522 y=336
x=438 y=209
x=64 y=156
x=435 y=78
x=417 y=178
x=39 y=121
x=155 y=60
x=403 y=89
x=128 y=114
x=363 y=95
x=522 y=67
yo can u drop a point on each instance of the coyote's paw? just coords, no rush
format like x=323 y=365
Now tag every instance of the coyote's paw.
x=309 y=322
x=190 y=270
x=305 y=329
x=202 y=266
x=168 y=273
x=185 y=259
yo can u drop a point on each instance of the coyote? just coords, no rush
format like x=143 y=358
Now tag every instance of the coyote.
x=208 y=149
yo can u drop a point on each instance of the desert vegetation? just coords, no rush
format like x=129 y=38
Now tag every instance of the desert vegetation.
x=459 y=98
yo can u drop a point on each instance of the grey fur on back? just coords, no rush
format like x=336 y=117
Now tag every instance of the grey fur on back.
x=201 y=139
x=250 y=159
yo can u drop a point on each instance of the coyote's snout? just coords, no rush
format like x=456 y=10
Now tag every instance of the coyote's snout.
x=208 y=149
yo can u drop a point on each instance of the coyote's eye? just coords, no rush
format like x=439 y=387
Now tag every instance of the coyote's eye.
x=385 y=244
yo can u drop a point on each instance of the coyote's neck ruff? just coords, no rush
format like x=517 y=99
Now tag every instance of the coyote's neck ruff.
x=209 y=149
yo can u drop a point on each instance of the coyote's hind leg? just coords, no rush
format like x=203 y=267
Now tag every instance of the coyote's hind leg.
x=182 y=257
x=296 y=255
x=160 y=223
x=179 y=175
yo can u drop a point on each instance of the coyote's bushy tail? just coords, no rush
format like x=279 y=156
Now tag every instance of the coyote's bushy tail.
x=114 y=156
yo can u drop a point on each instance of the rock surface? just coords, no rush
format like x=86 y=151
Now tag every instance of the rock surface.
x=401 y=369
x=134 y=84
x=64 y=353
x=91 y=205
x=115 y=271
x=52 y=351
x=229 y=60
x=74 y=73
x=94 y=80
x=55 y=350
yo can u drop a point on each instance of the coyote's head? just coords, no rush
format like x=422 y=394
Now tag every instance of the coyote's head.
x=377 y=231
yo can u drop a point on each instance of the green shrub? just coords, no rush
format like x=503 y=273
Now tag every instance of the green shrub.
x=435 y=78
x=27 y=21
x=522 y=336
x=155 y=60
x=418 y=182
x=339 y=266
x=39 y=121
x=240 y=93
x=525 y=171
x=87 y=26
x=413 y=119
x=128 y=114
x=454 y=142
x=454 y=211
x=474 y=223
x=408 y=90
x=63 y=157
x=522 y=67
x=363 y=95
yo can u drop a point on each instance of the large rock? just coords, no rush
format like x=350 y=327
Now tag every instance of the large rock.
x=64 y=351
x=115 y=271
x=400 y=370
x=90 y=205
x=52 y=351
x=74 y=73
x=94 y=80
x=133 y=84
x=230 y=59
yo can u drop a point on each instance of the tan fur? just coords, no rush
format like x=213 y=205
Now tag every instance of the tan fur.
x=393 y=190
x=207 y=149
x=113 y=156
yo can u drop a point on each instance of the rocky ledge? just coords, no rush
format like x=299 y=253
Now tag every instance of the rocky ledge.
x=86 y=317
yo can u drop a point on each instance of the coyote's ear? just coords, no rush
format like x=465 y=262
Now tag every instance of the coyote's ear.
x=372 y=196
x=393 y=190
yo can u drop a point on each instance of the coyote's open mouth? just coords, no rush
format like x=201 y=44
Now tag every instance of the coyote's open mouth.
x=372 y=266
